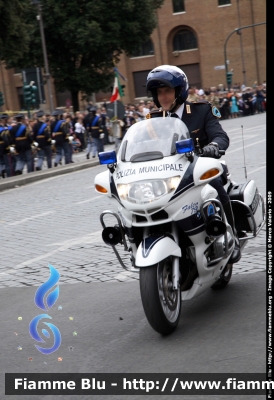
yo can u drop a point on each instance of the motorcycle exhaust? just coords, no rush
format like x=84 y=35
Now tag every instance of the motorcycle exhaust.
x=112 y=235
x=215 y=226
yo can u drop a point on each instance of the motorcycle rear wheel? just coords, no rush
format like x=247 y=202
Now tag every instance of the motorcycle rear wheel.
x=162 y=304
x=224 y=278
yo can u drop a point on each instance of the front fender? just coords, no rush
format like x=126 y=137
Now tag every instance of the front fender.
x=154 y=249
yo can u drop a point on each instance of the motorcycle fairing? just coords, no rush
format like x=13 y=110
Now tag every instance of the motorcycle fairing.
x=113 y=190
x=192 y=225
x=187 y=181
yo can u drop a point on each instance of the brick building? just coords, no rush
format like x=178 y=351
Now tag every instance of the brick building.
x=195 y=35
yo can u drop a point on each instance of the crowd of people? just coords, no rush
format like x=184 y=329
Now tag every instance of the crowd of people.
x=54 y=138
x=27 y=142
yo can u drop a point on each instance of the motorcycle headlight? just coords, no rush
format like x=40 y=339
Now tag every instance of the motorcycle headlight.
x=146 y=191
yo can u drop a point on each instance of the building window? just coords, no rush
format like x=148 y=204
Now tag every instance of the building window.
x=178 y=6
x=184 y=40
x=223 y=2
x=140 y=79
x=146 y=49
x=193 y=74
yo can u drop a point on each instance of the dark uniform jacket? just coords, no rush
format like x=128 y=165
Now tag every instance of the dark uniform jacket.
x=86 y=123
x=5 y=139
x=22 y=137
x=60 y=131
x=202 y=121
x=93 y=125
x=41 y=134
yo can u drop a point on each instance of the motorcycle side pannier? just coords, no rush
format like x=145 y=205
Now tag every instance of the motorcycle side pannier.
x=248 y=194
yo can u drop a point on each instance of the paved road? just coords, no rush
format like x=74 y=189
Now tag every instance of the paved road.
x=218 y=332
x=56 y=221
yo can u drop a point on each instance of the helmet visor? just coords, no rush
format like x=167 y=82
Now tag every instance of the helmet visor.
x=161 y=78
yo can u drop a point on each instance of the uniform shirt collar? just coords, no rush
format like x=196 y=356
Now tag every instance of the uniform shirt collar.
x=179 y=111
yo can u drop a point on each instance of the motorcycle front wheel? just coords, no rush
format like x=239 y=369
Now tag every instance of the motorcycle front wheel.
x=162 y=304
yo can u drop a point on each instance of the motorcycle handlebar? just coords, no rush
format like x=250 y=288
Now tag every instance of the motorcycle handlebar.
x=221 y=152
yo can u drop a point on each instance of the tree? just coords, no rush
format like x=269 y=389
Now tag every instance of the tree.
x=84 y=38
x=14 y=29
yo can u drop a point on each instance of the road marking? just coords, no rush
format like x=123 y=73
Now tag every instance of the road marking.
x=47 y=179
x=255 y=170
x=31 y=218
x=249 y=145
x=9 y=271
x=88 y=200
x=95 y=237
x=53 y=177
x=246 y=129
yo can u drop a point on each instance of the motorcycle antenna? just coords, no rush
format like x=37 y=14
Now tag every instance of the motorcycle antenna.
x=244 y=150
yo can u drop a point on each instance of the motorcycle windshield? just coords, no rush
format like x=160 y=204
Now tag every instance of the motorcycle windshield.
x=152 y=139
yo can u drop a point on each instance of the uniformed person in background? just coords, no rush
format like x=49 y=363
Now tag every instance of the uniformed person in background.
x=93 y=125
x=169 y=87
x=86 y=124
x=60 y=132
x=21 y=134
x=42 y=135
x=5 y=147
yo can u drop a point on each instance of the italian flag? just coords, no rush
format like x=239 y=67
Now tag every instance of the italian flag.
x=117 y=92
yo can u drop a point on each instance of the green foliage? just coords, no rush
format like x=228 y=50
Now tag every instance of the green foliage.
x=83 y=38
x=14 y=29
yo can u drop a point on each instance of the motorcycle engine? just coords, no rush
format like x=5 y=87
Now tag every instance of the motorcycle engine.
x=217 y=249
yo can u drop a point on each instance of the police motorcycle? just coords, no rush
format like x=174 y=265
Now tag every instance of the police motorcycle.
x=169 y=219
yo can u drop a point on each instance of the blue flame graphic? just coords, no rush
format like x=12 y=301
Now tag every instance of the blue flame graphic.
x=35 y=335
x=48 y=302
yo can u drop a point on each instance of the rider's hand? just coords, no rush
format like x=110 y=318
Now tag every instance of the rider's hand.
x=211 y=150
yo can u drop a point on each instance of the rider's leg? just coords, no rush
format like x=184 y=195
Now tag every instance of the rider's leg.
x=225 y=200
x=236 y=255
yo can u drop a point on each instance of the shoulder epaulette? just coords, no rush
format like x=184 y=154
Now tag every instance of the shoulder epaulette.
x=154 y=114
x=201 y=102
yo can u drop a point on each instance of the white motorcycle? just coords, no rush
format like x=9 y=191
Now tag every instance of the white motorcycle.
x=169 y=218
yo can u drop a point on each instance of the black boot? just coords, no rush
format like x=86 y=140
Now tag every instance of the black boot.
x=55 y=164
x=87 y=156
x=236 y=255
x=3 y=174
x=38 y=169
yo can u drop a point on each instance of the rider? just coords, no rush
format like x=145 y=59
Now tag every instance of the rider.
x=168 y=85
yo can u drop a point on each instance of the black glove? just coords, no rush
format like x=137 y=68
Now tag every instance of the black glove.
x=211 y=150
